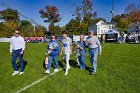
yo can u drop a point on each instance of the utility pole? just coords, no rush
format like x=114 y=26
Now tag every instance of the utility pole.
x=112 y=11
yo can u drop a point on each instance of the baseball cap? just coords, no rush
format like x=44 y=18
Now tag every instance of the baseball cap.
x=90 y=31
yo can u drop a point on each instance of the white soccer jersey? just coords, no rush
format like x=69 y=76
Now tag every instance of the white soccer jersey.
x=67 y=45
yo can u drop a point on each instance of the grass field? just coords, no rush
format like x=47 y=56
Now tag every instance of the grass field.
x=118 y=72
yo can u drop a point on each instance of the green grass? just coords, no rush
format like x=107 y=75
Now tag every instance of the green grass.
x=118 y=71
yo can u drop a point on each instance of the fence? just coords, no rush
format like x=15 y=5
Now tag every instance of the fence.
x=4 y=39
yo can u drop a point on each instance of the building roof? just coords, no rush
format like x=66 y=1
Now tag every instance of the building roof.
x=135 y=24
x=112 y=31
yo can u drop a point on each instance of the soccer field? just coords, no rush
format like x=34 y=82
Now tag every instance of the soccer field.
x=118 y=71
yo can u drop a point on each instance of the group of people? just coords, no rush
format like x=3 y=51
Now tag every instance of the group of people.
x=17 y=46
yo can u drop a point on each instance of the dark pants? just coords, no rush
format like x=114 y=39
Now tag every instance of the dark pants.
x=17 y=54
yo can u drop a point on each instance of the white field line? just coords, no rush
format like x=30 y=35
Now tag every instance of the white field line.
x=43 y=78
x=105 y=45
x=34 y=83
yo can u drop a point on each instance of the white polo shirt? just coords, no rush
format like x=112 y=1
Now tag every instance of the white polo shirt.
x=17 y=43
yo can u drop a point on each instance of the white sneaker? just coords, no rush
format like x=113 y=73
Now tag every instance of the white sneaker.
x=21 y=73
x=15 y=72
x=66 y=73
x=47 y=71
x=55 y=70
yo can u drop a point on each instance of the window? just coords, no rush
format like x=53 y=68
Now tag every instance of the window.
x=102 y=31
x=98 y=31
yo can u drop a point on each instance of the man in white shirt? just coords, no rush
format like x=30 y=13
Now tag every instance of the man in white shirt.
x=66 y=49
x=17 y=46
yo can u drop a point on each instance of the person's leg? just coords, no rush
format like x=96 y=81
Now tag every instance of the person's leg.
x=91 y=54
x=95 y=60
x=80 y=63
x=56 y=61
x=14 y=58
x=50 y=58
x=77 y=59
x=67 y=63
x=46 y=62
x=83 y=61
x=21 y=61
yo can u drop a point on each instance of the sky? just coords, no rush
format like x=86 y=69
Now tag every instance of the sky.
x=30 y=8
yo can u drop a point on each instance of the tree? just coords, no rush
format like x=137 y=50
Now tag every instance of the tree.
x=51 y=15
x=131 y=8
x=116 y=19
x=73 y=27
x=84 y=14
x=26 y=28
x=122 y=25
x=9 y=22
x=9 y=15
x=40 y=31
x=25 y=23
x=8 y=28
x=133 y=12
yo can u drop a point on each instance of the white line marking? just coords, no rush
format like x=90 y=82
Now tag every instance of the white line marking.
x=34 y=83
x=105 y=45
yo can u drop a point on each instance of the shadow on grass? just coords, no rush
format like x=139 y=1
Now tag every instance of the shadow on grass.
x=73 y=63
x=61 y=65
x=24 y=63
x=44 y=65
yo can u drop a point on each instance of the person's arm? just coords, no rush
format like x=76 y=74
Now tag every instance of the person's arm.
x=71 y=45
x=86 y=42
x=11 y=46
x=23 y=45
x=47 y=49
x=99 y=45
x=79 y=46
x=61 y=50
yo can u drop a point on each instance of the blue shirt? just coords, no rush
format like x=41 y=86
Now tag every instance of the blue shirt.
x=82 y=44
x=55 y=46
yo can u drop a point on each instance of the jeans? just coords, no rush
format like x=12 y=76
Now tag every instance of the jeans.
x=82 y=61
x=50 y=58
x=17 y=54
x=93 y=58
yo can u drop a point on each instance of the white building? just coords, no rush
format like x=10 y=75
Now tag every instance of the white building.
x=101 y=27
x=104 y=30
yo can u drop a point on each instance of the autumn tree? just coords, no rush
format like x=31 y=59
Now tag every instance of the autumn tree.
x=83 y=14
x=40 y=31
x=26 y=28
x=10 y=22
x=51 y=15
x=133 y=13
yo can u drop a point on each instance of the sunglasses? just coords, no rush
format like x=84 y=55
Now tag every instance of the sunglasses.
x=16 y=33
